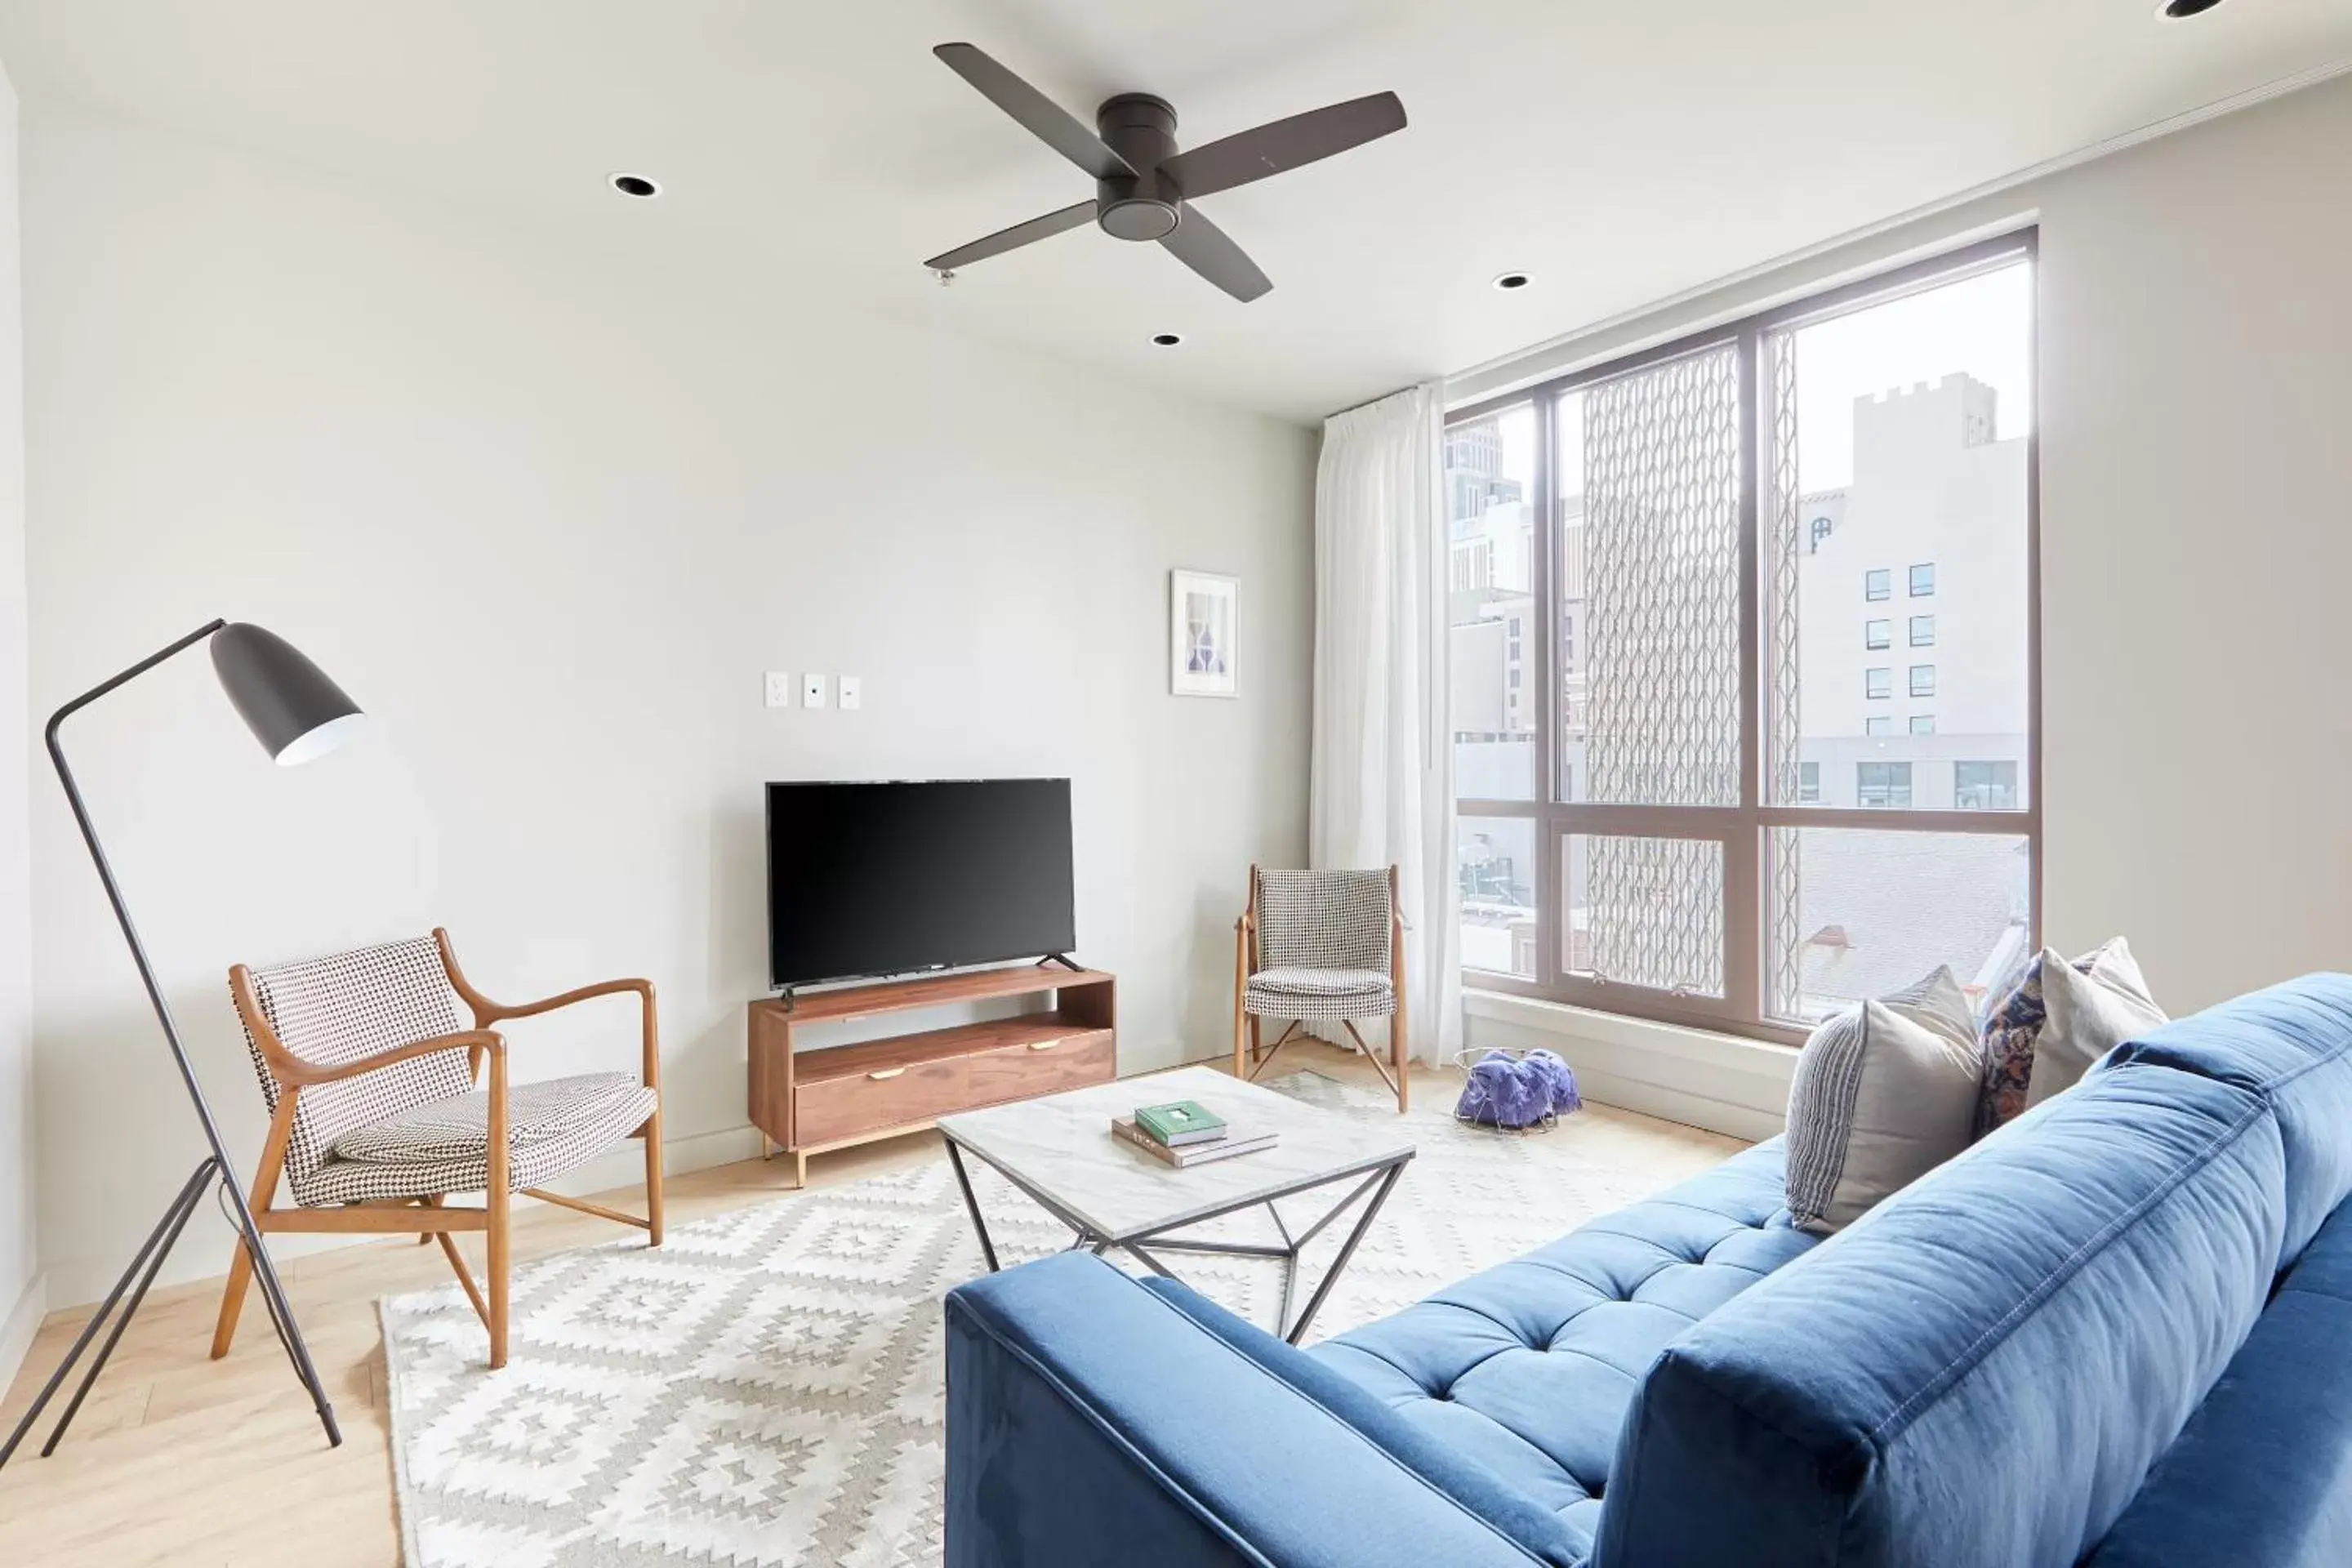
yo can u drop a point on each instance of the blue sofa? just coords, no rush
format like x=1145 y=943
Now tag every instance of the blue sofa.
x=2118 y=1331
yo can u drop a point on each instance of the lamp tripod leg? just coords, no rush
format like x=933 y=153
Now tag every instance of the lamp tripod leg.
x=144 y=1262
x=282 y=1312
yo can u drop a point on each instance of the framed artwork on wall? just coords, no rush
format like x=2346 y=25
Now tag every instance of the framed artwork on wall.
x=1204 y=616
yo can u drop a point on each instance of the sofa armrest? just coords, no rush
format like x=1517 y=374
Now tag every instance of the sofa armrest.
x=1090 y=1421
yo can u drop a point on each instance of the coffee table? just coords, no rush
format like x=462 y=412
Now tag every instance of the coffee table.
x=1061 y=1151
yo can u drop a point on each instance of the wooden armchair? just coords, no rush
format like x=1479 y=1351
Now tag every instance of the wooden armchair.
x=375 y=1122
x=1321 y=945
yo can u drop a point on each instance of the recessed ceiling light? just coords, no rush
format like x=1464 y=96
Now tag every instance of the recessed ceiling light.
x=1507 y=281
x=1166 y=340
x=635 y=186
x=2182 y=10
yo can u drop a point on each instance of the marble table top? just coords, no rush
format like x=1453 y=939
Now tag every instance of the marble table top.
x=1061 y=1149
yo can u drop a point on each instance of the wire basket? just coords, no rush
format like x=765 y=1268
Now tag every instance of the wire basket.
x=1518 y=1092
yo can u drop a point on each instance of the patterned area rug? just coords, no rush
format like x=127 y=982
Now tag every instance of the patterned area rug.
x=766 y=1388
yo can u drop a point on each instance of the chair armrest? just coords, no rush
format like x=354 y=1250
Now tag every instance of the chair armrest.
x=301 y=1073
x=499 y=1012
x=1090 y=1420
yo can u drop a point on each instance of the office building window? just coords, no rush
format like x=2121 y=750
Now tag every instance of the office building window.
x=1809 y=781
x=1923 y=680
x=1877 y=634
x=1923 y=580
x=1877 y=585
x=1923 y=723
x=1923 y=631
x=1878 y=683
x=1984 y=786
x=1882 y=786
x=1878 y=724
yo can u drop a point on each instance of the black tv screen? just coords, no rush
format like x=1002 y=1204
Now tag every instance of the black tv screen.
x=883 y=878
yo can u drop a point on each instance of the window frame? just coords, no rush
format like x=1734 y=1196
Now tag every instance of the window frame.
x=1911 y=581
x=1913 y=628
x=1885 y=634
x=1917 y=687
x=1743 y=830
x=1875 y=592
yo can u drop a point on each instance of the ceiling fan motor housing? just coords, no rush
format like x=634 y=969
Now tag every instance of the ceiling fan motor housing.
x=1140 y=129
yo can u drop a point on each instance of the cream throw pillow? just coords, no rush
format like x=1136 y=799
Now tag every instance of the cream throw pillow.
x=2092 y=1011
x=1883 y=1093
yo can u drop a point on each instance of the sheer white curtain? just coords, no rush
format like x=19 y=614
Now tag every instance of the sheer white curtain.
x=1381 y=789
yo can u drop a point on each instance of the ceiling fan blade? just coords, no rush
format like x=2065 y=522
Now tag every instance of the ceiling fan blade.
x=1046 y=121
x=1283 y=144
x=1205 y=248
x=1013 y=238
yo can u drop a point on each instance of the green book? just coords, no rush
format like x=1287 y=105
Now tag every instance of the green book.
x=1181 y=1122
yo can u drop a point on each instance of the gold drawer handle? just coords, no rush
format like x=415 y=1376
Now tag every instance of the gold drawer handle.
x=886 y=1072
x=1042 y=1045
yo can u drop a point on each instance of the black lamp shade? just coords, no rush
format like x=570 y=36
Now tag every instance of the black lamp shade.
x=292 y=708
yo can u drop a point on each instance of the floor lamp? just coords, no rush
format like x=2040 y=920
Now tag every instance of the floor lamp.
x=297 y=713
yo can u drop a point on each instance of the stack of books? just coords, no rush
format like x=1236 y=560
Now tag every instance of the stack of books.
x=1186 y=1133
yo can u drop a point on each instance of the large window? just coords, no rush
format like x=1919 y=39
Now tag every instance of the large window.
x=1686 y=788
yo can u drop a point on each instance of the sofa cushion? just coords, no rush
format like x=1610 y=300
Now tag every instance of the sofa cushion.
x=2094 y=1004
x=1526 y=1369
x=2259 y=1473
x=1883 y=1092
x=1989 y=1360
x=2290 y=1044
x=1561 y=1541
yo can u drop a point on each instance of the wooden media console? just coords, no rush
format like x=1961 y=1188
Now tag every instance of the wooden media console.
x=806 y=1101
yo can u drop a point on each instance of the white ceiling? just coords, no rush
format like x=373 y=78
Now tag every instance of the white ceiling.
x=1622 y=153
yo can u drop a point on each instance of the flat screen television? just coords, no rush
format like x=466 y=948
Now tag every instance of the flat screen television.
x=887 y=878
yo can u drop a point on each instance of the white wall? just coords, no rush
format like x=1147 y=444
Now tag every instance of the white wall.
x=20 y=1291
x=2195 y=310
x=549 y=514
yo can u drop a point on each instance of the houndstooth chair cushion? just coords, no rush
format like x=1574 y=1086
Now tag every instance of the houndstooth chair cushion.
x=340 y=1009
x=555 y=1125
x=1323 y=940
x=1323 y=919
x=450 y=1128
x=1312 y=993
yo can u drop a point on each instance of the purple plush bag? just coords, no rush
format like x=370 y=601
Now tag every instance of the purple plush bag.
x=1518 y=1092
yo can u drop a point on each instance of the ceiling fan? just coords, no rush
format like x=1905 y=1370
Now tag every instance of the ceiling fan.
x=1144 y=188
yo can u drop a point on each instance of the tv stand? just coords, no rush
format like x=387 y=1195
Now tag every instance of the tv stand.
x=810 y=1102
x=1064 y=959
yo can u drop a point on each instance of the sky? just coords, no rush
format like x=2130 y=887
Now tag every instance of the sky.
x=1981 y=326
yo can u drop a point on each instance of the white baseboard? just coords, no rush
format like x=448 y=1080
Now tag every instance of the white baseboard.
x=1721 y=1083
x=24 y=1322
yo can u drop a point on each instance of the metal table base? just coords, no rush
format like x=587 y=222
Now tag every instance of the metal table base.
x=1143 y=1245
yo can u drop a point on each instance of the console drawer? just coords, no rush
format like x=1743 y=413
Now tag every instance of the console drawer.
x=1041 y=1067
x=829 y=1109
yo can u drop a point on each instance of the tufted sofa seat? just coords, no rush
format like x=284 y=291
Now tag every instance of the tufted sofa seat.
x=1527 y=1368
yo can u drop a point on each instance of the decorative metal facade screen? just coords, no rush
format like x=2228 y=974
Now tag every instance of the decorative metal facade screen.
x=1662 y=524
x=1783 y=886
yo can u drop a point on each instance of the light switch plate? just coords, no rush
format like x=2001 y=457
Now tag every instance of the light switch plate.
x=853 y=691
x=813 y=689
x=779 y=689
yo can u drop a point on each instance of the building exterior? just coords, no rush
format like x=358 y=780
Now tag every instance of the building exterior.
x=1912 y=610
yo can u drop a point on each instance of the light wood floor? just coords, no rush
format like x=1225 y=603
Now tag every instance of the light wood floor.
x=180 y=1460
